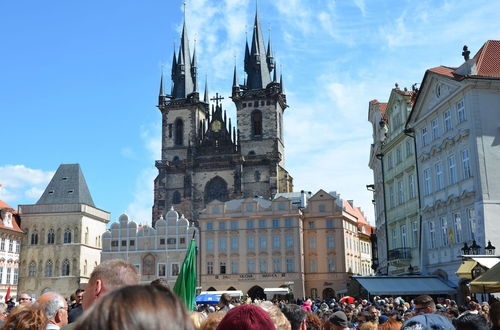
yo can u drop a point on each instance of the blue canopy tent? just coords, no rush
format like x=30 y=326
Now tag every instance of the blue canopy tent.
x=207 y=298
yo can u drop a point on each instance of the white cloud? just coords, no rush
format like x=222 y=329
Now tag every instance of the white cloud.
x=361 y=6
x=21 y=184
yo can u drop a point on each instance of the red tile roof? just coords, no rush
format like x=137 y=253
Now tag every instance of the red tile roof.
x=488 y=59
x=15 y=218
x=445 y=71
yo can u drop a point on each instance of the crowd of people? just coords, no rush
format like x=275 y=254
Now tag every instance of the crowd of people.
x=113 y=299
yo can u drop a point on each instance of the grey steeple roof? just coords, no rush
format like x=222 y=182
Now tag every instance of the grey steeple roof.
x=68 y=186
x=256 y=65
x=235 y=78
x=183 y=69
x=205 y=95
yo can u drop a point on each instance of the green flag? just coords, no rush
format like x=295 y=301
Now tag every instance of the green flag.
x=185 y=286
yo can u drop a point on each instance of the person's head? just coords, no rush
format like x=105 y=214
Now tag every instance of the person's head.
x=197 y=318
x=428 y=321
x=469 y=321
x=369 y=326
x=313 y=322
x=339 y=320
x=137 y=307
x=3 y=311
x=26 y=318
x=24 y=299
x=494 y=313
x=79 y=296
x=424 y=305
x=212 y=321
x=276 y=315
x=374 y=313
x=108 y=276
x=161 y=282
x=296 y=315
x=225 y=299
x=246 y=317
x=55 y=308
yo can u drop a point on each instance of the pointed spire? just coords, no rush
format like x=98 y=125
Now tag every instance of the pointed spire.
x=269 y=56
x=183 y=76
x=174 y=64
x=205 y=96
x=275 y=78
x=235 y=78
x=256 y=65
x=194 y=69
x=161 y=95
x=281 y=83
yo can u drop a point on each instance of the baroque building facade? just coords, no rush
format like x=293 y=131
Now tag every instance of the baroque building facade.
x=155 y=252
x=204 y=157
x=455 y=120
x=256 y=244
x=395 y=158
x=10 y=245
x=62 y=242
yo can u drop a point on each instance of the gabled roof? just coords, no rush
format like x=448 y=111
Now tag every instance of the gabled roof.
x=68 y=186
x=382 y=106
x=488 y=59
x=15 y=218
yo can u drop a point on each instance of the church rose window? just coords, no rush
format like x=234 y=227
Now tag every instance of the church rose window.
x=216 y=189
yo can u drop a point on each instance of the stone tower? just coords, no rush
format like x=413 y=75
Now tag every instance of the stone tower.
x=203 y=156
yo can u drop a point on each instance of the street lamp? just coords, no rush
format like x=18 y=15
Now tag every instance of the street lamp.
x=490 y=249
x=465 y=249
x=475 y=248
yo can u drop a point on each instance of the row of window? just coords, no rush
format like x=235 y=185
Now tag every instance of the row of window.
x=399 y=188
x=446 y=230
x=11 y=275
x=451 y=178
x=264 y=224
x=131 y=243
x=403 y=236
x=447 y=123
x=250 y=224
x=276 y=266
x=262 y=241
x=399 y=154
x=49 y=269
x=313 y=265
x=14 y=245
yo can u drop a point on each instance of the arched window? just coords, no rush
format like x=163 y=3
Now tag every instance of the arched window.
x=32 y=269
x=148 y=265
x=257 y=123
x=175 y=159
x=65 y=268
x=176 y=198
x=48 y=268
x=51 y=236
x=67 y=235
x=34 y=237
x=179 y=132
x=216 y=189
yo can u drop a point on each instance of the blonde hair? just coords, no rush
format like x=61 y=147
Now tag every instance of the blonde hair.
x=197 y=319
x=115 y=274
x=212 y=321
x=279 y=319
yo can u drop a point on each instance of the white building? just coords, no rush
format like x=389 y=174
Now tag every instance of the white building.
x=156 y=252
x=10 y=244
x=456 y=122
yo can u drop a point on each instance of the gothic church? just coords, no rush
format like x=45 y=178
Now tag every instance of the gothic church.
x=203 y=156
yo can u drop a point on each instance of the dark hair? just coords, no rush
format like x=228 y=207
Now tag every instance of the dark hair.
x=470 y=321
x=161 y=282
x=425 y=301
x=225 y=299
x=494 y=313
x=295 y=315
x=453 y=311
x=26 y=318
x=137 y=307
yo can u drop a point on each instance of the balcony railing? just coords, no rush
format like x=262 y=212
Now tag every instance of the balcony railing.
x=400 y=253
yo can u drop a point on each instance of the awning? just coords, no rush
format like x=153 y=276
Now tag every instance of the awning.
x=465 y=269
x=269 y=291
x=489 y=282
x=404 y=285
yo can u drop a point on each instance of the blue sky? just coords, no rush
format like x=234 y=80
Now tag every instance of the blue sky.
x=79 y=83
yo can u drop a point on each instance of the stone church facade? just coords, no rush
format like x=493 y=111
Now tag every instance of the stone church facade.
x=204 y=157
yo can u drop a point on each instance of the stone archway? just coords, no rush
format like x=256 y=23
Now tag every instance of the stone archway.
x=328 y=293
x=211 y=289
x=256 y=292
x=231 y=288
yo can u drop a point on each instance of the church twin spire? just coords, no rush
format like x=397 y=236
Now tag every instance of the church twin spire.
x=258 y=64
